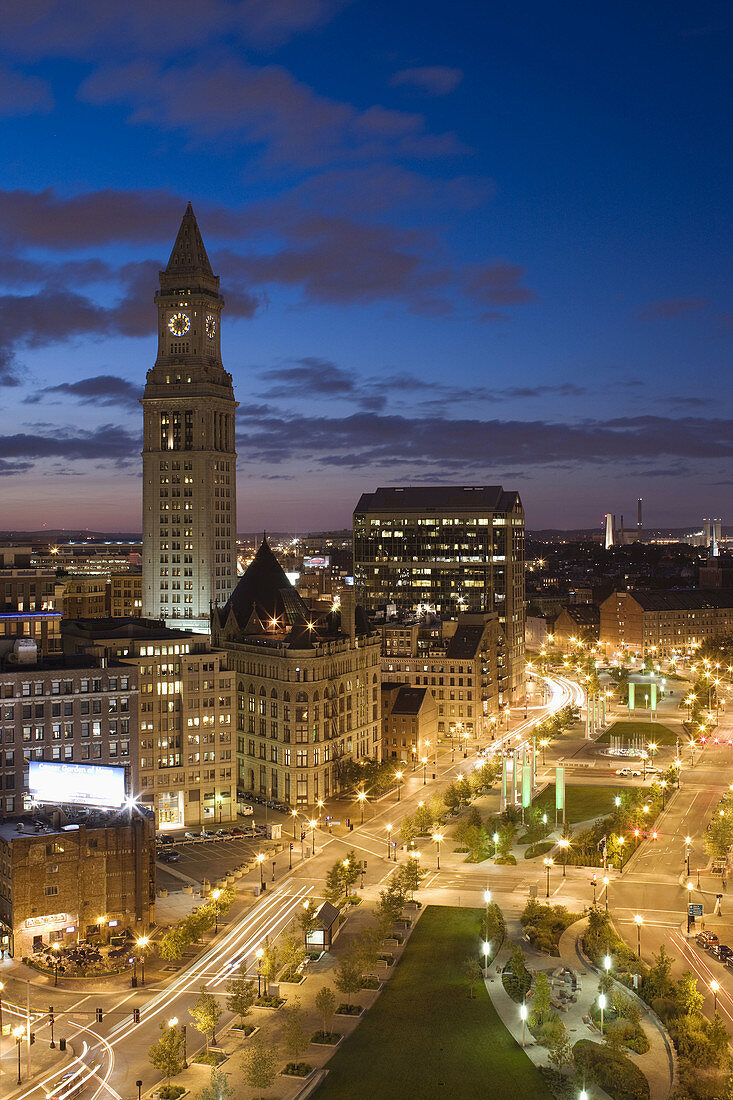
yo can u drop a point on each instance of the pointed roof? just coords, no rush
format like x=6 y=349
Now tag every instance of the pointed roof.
x=263 y=595
x=189 y=253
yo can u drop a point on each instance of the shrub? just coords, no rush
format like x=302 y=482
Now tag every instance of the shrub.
x=171 y=1092
x=330 y=1037
x=613 y=1071
x=297 y=1069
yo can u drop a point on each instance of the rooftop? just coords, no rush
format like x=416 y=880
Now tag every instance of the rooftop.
x=439 y=498
x=683 y=599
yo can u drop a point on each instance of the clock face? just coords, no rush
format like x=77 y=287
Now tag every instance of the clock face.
x=179 y=324
x=210 y=326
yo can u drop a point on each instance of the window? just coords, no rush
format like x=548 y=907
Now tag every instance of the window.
x=50 y=891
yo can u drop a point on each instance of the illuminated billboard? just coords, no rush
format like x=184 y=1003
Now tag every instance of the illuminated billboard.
x=76 y=784
x=321 y=562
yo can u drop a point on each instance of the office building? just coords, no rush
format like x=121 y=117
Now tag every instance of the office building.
x=31 y=602
x=307 y=686
x=444 y=550
x=126 y=595
x=189 y=461
x=666 y=621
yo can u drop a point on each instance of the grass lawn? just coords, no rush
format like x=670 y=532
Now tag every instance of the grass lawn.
x=424 y=1037
x=650 y=731
x=583 y=803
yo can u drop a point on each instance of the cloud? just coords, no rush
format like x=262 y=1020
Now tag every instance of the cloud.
x=497 y=284
x=265 y=106
x=21 y=94
x=109 y=442
x=104 y=389
x=667 y=309
x=433 y=79
x=311 y=375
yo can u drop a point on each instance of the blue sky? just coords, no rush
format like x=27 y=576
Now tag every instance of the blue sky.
x=487 y=248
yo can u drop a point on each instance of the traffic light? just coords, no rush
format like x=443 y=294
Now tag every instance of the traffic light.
x=99 y=1015
x=291 y=845
x=136 y=1015
x=302 y=835
x=50 y=1014
x=33 y=1037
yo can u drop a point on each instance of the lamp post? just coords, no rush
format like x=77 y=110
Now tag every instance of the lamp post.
x=320 y=804
x=18 y=1032
x=523 y=1018
x=139 y=1087
x=389 y=837
x=638 y=920
x=486 y=948
x=398 y=777
x=606 y=881
x=294 y=814
x=346 y=876
x=621 y=842
x=607 y=963
x=437 y=837
x=715 y=986
x=362 y=799
x=312 y=824
x=216 y=894
x=424 y=762
x=496 y=841
x=689 y=895
x=259 y=953
x=602 y=1006
x=261 y=861
x=548 y=864
x=564 y=844
x=142 y=944
x=663 y=785
x=56 y=947
x=688 y=842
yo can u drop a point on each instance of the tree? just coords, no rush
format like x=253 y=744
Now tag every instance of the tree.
x=334 y=888
x=559 y=1049
x=472 y=971
x=518 y=968
x=366 y=949
x=658 y=982
x=325 y=1006
x=292 y=952
x=259 y=1065
x=451 y=797
x=241 y=994
x=718 y=1041
x=167 y=1054
x=270 y=961
x=218 y=1087
x=408 y=877
x=350 y=869
x=308 y=919
x=688 y=1000
x=625 y=1007
x=206 y=1013
x=296 y=1039
x=408 y=829
x=349 y=975
x=540 y=1001
x=391 y=902
x=172 y=945
x=475 y=839
x=423 y=819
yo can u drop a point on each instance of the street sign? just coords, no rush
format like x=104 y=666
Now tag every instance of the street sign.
x=694 y=910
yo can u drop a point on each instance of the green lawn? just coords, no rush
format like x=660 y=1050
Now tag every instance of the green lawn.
x=424 y=1036
x=583 y=803
x=650 y=731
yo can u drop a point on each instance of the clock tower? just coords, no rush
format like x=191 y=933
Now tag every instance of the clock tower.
x=189 y=461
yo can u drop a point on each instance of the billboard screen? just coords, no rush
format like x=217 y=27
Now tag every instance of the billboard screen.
x=76 y=784
x=320 y=562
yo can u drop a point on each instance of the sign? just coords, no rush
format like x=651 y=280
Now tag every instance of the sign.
x=694 y=910
x=76 y=784
x=41 y=922
x=322 y=561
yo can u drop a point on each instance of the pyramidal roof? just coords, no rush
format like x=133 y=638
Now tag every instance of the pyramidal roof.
x=264 y=593
x=189 y=253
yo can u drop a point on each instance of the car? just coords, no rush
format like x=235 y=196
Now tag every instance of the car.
x=721 y=952
x=205 y=836
x=247 y=811
x=706 y=939
x=170 y=857
x=634 y=774
x=190 y=836
x=164 y=839
x=224 y=834
x=237 y=831
x=622 y=771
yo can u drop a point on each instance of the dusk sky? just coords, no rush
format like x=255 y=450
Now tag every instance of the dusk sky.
x=472 y=243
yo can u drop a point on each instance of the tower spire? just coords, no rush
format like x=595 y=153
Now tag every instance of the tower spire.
x=189 y=254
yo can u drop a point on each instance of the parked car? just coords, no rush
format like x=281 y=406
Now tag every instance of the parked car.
x=707 y=939
x=237 y=831
x=721 y=952
x=165 y=839
x=247 y=811
x=224 y=834
x=170 y=857
x=190 y=836
x=205 y=836
x=622 y=771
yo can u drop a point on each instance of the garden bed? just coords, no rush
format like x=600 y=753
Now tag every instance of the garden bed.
x=171 y=1092
x=349 y=1010
x=246 y=1032
x=297 y=1069
x=269 y=1002
x=615 y=1073
x=212 y=1058
x=326 y=1038
x=371 y=983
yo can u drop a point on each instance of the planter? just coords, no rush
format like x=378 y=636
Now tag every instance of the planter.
x=171 y=1092
x=269 y=1002
x=213 y=1058
x=326 y=1038
x=298 y=980
x=246 y=1032
x=371 y=983
x=297 y=1069
x=349 y=1010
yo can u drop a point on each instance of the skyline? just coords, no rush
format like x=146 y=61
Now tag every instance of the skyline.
x=503 y=265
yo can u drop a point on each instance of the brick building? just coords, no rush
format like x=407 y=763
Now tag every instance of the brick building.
x=409 y=722
x=663 y=622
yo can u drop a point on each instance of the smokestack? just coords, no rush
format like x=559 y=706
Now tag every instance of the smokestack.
x=609 y=531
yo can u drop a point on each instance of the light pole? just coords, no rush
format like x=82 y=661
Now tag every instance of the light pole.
x=638 y=920
x=312 y=824
x=216 y=894
x=564 y=844
x=56 y=947
x=424 y=763
x=294 y=814
x=320 y=804
x=486 y=947
x=715 y=986
x=606 y=881
x=261 y=861
x=346 y=876
x=663 y=785
x=259 y=953
x=523 y=1017
x=18 y=1032
x=688 y=842
x=602 y=1006
x=621 y=842
x=362 y=799
x=172 y=1024
x=607 y=963
x=437 y=837
x=496 y=841
x=142 y=944
x=389 y=837
x=548 y=864
x=689 y=895
x=398 y=777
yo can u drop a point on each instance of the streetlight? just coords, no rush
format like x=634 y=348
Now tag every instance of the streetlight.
x=689 y=895
x=602 y=1006
x=56 y=947
x=548 y=864
x=564 y=844
x=142 y=944
x=715 y=986
x=663 y=785
x=294 y=814
x=389 y=837
x=486 y=948
x=688 y=842
x=261 y=861
x=346 y=877
x=320 y=803
x=313 y=824
x=437 y=837
x=607 y=963
x=523 y=1017
x=362 y=799
x=216 y=894
x=606 y=881
x=621 y=842
x=398 y=777
x=259 y=953
x=19 y=1032
x=638 y=920
x=424 y=762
